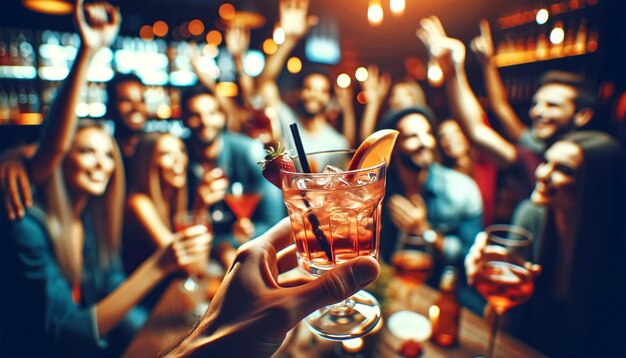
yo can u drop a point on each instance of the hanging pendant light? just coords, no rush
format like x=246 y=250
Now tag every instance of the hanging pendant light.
x=52 y=7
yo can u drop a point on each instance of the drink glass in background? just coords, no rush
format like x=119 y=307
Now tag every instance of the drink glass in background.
x=241 y=201
x=181 y=221
x=413 y=263
x=503 y=277
x=335 y=217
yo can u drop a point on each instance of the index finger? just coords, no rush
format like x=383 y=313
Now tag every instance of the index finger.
x=485 y=30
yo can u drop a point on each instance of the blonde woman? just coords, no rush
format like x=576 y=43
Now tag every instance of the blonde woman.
x=62 y=265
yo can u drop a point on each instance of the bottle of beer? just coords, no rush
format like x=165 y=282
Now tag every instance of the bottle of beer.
x=445 y=312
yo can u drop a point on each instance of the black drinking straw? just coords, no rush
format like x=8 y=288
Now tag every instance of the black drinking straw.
x=315 y=222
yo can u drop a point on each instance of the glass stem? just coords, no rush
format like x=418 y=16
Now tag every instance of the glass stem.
x=494 y=334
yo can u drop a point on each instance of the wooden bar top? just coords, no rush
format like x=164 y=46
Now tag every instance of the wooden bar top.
x=171 y=318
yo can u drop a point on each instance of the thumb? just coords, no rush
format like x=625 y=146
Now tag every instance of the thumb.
x=339 y=283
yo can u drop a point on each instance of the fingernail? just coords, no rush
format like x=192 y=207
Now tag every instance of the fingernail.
x=365 y=270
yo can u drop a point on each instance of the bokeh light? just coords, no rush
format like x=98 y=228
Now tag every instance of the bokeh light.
x=361 y=74
x=227 y=11
x=196 y=27
x=294 y=65
x=542 y=16
x=269 y=47
x=214 y=37
x=279 y=35
x=160 y=28
x=375 y=13
x=145 y=32
x=344 y=80
x=557 y=34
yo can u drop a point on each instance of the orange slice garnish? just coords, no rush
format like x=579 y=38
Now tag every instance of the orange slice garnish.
x=374 y=150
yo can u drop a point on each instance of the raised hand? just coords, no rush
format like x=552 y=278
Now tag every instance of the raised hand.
x=293 y=18
x=98 y=24
x=212 y=189
x=410 y=216
x=237 y=40
x=449 y=52
x=251 y=313
x=482 y=45
x=189 y=247
x=376 y=86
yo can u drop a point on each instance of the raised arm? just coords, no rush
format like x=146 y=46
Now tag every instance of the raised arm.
x=376 y=88
x=450 y=53
x=345 y=98
x=237 y=42
x=295 y=24
x=483 y=48
x=98 y=25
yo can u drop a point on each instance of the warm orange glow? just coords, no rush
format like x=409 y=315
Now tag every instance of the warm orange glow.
x=352 y=345
x=361 y=74
x=294 y=65
x=214 y=37
x=435 y=74
x=53 y=7
x=196 y=27
x=397 y=6
x=269 y=47
x=361 y=98
x=210 y=50
x=183 y=29
x=227 y=11
x=226 y=89
x=344 y=80
x=160 y=28
x=145 y=32
x=375 y=13
x=557 y=35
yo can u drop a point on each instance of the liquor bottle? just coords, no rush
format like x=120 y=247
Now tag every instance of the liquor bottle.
x=445 y=311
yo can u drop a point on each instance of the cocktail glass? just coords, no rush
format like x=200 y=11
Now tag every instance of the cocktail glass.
x=413 y=263
x=335 y=217
x=241 y=202
x=504 y=277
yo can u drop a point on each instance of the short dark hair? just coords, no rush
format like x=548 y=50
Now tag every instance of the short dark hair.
x=192 y=92
x=585 y=97
x=314 y=70
x=390 y=119
x=118 y=79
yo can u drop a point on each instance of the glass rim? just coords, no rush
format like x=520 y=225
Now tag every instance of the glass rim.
x=327 y=152
x=517 y=230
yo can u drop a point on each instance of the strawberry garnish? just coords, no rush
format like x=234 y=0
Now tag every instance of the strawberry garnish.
x=276 y=160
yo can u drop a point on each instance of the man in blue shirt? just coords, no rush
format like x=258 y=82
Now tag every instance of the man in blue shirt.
x=218 y=158
x=427 y=199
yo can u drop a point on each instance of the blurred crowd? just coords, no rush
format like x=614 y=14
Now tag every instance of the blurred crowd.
x=90 y=241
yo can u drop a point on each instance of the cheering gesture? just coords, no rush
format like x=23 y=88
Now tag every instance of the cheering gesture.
x=449 y=52
x=483 y=45
x=98 y=24
x=293 y=18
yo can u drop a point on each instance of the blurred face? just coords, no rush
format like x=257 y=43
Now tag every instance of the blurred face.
x=315 y=94
x=205 y=118
x=130 y=105
x=416 y=142
x=552 y=111
x=89 y=164
x=171 y=160
x=557 y=177
x=402 y=96
x=452 y=140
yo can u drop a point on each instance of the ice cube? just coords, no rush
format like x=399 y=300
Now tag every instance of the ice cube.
x=335 y=181
x=331 y=170
x=303 y=183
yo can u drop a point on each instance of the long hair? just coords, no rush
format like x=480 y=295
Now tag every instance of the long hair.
x=145 y=178
x=105 y=211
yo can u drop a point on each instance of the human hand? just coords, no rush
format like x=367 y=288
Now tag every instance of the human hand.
x=251 y=313
x=237 y=40
x=293 y=18
x=243 y=230
x=15 y=185
x=189 y=249
x=449 y=52
x=410 y=216
x=481 y=251
x=376 y=86
x=483 y=45
x=213 y=187
x=98 y=24
x=344 y=97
